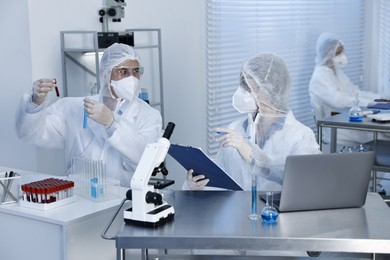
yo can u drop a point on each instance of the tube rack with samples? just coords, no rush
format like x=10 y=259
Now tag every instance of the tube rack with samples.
x=47 y=193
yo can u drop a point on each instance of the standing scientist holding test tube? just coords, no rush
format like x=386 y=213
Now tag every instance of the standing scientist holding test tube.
x=273 y=131
x=116 y=127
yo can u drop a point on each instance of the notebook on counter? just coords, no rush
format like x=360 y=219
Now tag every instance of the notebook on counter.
x=324 y=181
x=194 y=158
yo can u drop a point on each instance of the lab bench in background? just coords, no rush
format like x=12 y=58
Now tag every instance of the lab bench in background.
x=381 y=147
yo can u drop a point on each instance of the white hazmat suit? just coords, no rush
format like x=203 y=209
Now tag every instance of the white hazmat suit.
x=119 y=145
x=331 y=90
x=260 y=143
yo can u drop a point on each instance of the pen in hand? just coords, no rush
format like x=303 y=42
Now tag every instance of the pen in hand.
x=223 y=133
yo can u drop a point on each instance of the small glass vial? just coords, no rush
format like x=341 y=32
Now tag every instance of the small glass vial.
x=356 y=113
x=144 y=95
x=269 y=214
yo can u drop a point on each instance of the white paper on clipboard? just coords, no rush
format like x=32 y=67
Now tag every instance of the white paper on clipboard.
x=194 y=158
x=381 y=117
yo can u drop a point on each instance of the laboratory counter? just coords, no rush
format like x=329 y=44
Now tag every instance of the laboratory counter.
x=69 y=232
x=219 y=220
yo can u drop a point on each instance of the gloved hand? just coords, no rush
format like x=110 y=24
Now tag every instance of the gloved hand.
x=98 y=112
x=196 y=182
x=40 y=89
x=236 y=140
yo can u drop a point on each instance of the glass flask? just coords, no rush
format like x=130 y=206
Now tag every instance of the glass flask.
x=356 y=113
x=254 y=214
x=269 y=214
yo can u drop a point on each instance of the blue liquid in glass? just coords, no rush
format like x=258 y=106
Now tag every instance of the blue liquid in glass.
x=254 y=202
x=269 y=216
x=357 y=118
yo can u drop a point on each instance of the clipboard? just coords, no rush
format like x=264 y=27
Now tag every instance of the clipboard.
x=380 y=105
x=194 y=158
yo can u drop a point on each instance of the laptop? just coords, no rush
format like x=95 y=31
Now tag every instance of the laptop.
x=324 y=181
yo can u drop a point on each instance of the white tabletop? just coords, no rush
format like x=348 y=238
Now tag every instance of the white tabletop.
x=81 y=209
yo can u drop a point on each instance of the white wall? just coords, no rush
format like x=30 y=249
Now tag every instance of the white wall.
x=33 y=49
x=15 y=76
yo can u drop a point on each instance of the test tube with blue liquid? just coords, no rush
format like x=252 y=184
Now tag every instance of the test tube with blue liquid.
x=85 y=119
x=254 y=215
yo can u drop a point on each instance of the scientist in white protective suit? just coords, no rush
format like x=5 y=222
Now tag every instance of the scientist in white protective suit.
x=273 y=131
x=331 y=90
x=119 y=124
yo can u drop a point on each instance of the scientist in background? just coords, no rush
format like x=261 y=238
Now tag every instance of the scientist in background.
x=331 y=90
x=119 y=124
x=260 y=143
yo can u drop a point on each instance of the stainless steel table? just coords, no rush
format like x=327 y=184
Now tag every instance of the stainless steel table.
x=219 y=220
x=341 y=121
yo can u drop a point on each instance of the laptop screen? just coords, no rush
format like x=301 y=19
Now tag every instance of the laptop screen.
x=325 y=181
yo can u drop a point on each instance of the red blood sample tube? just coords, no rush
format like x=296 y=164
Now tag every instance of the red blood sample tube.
x=24 y=192
x=52 y=194
x=39 y=195
x=56 y=88
x=46 y=194
x=33 y=194
x=28 y=192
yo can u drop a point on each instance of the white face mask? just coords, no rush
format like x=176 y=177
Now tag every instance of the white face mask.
x=340 y=60
x=243 y=101
x=126 y=88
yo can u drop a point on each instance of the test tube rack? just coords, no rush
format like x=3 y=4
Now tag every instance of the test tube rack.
x=91 y=181
x=47 y=194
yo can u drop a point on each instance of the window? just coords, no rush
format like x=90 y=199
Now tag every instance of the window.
x=237 y=29
x=384 y=42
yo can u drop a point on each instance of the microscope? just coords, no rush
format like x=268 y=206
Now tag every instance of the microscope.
x=148 y=207
x=115 y=10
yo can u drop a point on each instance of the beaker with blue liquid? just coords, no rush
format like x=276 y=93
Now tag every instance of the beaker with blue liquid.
x=356 y=113
x=269 y=214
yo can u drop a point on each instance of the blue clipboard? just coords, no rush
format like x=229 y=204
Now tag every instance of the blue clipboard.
x=381 y=105
x=194 y=158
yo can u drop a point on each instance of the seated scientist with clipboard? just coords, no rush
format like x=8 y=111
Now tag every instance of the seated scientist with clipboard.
x=261 y=142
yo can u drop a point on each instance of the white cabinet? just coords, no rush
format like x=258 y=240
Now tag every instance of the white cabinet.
x=81 y=55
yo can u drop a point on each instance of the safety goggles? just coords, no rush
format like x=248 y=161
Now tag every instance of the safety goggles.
x=125 y=71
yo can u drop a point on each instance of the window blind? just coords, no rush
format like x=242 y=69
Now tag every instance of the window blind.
x=384 y=41
x=238 y=29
